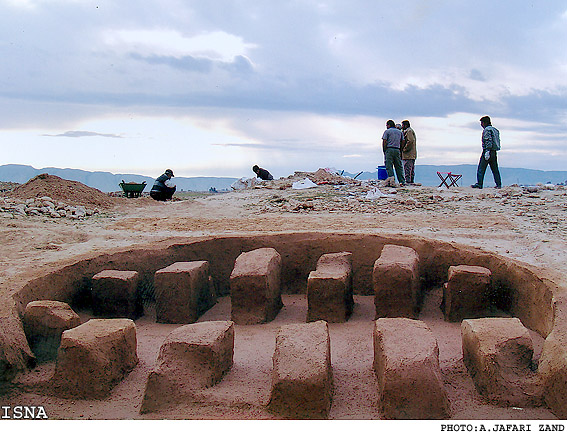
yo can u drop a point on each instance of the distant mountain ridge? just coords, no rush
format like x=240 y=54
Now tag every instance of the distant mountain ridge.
x=109 y=182
x=425 y=174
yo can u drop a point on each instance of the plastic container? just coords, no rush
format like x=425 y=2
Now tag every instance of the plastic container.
x=382 y=173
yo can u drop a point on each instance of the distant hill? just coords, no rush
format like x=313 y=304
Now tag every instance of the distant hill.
x=427 y=175
x=108 y=182
x=424 y=174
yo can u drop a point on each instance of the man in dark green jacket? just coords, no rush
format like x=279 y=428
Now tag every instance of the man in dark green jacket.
x=163 y=188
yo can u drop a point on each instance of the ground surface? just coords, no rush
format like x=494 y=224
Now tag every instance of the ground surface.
x=527 y=226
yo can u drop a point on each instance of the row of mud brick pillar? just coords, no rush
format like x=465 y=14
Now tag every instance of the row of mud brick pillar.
x=184 y=290
x=94 y=356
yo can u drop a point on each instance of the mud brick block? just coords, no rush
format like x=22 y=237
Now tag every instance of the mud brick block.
x=465 y=295
x=406 y=364
x=302 y=378
x=192 y=357
x=114 y=294
x=329 y=288
x=255 y=291
x=182 y=292
x=44 y=323
x=94 y=357
x=395 y=279
x=498 y=353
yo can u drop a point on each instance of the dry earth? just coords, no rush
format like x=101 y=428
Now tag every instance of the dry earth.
x=528 y=226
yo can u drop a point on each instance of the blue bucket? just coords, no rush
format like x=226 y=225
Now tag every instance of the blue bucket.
x=382 y=173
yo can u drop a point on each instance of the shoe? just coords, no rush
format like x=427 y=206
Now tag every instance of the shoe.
x=498 y=187
x=477 y=186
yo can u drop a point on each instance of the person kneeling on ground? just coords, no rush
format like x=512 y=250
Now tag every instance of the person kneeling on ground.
x=262 y=173
x=163 y=188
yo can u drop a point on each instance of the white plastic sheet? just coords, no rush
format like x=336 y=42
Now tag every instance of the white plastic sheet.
x=244 y=183
x=303 y=184
x=376 y=193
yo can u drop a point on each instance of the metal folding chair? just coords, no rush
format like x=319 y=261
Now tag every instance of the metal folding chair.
x=449 y=179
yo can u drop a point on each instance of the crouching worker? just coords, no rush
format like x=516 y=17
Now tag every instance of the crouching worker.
x=261 y=173
x=163 y=188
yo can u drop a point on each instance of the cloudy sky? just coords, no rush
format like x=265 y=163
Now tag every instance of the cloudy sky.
x=213 y=87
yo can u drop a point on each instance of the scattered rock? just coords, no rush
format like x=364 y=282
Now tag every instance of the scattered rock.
x=94 y=357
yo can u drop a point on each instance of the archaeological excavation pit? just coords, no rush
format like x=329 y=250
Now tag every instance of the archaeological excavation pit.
x=425 y=275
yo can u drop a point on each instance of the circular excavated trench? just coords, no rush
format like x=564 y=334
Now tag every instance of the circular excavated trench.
x=518 y=290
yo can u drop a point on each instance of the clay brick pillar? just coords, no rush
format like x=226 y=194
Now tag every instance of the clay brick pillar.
x=255 y=292
x=498 y=354
x=302 y=377
x=406 y=364
x=465 y=294
x=396 y=283
x=182 y=292
x=329 y=288
x=44 y=323
x=94 y=357
x=114 y=294
x=192 y=357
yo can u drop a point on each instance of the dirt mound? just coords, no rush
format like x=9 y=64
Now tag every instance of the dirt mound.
x=68 y=191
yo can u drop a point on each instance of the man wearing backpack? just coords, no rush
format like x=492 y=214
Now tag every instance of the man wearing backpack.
x=490 y=145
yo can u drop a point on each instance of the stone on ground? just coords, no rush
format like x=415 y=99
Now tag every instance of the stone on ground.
x=498 y=353
x=329 y=288
x=406 y=364
x=396 y=282
x=94 y=357
x=465 y=295
x=44 y=323
x=302 y=378
x=255 y=288
x=114 y=294
x=182 y=292
x=192 y=357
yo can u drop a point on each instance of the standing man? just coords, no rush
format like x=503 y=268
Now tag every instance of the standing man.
x=163 y=188
x=490 y=145
x=392 y=140
x=409 y=152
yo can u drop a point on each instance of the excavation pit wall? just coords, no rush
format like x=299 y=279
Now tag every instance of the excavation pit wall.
x=526 y=292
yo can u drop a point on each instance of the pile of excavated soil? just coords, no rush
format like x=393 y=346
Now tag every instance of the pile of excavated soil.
x=67 y=191
x=319 y=177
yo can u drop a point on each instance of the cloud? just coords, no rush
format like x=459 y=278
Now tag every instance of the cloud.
x=297 y=73
x=80 y=134
x=477 y=75
x=217 y=45
x=188 y=63
x=238 y=65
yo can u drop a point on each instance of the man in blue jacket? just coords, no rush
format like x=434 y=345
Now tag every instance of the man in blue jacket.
x=392 y=140
x=490 y=145
x=163 y=188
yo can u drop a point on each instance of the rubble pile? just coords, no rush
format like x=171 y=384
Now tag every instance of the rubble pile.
x=373 y=197
x=8 y=186
x=320 y=177
x=67 y=191
x=50 y=196
x=44 y=206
